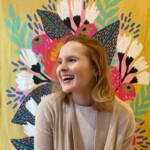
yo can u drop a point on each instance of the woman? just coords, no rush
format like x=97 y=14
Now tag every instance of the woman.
x=83 y=113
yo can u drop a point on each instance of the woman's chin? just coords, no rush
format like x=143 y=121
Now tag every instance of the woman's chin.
x=66 y=90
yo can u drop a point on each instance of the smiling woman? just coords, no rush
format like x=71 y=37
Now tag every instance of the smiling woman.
x=83 y=113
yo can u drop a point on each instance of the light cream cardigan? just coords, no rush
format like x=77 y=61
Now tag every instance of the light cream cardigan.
x=57 y=127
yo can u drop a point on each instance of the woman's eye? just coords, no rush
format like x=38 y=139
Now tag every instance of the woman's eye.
x=59 y=62
x=72 y=60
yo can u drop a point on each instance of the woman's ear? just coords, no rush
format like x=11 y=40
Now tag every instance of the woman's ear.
x=96 y=72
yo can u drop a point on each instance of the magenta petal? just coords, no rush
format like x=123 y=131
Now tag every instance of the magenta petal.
x=40 y=43
x=115 y=77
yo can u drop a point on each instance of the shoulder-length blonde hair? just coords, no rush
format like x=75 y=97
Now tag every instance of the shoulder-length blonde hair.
x=102 y=94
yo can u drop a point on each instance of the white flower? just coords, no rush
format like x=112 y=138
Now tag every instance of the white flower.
x=28 y=57
x=29 y=129
x=63 y=9
x=134 y=49
x=25 y=81
x=75 y=7
x=91 y=12
x=123 y=43
x=31 y=105
x=140 y=64
x=69 y=8
x=143 y=77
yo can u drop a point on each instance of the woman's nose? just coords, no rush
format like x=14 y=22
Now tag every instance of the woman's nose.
x=64 y=67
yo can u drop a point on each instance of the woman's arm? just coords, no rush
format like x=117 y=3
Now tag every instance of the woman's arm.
x=127 y=143
x=43 y=139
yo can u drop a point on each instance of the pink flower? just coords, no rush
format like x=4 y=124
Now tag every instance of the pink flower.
x=126 y=91
x=40 y=43
x=50 y=54
x=88 y=29
x=115 y=77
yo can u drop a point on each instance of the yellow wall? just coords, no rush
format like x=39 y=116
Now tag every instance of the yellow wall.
x=140 y=14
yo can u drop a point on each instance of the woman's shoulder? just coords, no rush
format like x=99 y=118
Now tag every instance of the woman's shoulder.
x=123 y=108
x=49 y=101
x=51 y=98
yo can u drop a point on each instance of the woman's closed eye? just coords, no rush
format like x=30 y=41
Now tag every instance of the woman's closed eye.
x=59 y=62
x=71 y=59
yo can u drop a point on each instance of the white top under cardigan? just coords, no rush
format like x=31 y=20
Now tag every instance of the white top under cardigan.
x=86 y=117
x=57 y=127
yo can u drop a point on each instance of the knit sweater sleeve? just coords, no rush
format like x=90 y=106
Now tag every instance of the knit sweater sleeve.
x=127 y=144
x=126 y=126
x=43 y=139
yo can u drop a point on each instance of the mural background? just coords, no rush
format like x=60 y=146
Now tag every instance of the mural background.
x=17 y=97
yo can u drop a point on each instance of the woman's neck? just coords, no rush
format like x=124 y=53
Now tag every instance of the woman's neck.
x=83 y=100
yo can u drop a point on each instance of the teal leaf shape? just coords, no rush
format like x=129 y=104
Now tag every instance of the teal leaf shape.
x=8 y=24
x=100 y=21
x=142 y=102
x=113 y=62
x=18 y=52
x=18 y=30
x=138 y=119
x=112 y=12
x=23 y=31
x=112 y=3
x=100 y=7
x=148 y=88
x=108 y=10
x=16 y=25
x=139 y=113
x=112 y=20
x=11 y=13
x=29 y=40
x=15 y=40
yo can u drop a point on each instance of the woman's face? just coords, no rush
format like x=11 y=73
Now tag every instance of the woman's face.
x=75 y=72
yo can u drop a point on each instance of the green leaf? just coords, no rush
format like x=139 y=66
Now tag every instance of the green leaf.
x=116 y=51
x=11 y=13
x=112 y=4
x=15 y=40
x=99 y=5
x=23 y=31
x=147 y=97
x=142 y=94
x=107 y=1
x=100 y=21
x=138 y=119
x=18 y=52
x=8 y=24
x=114 y=19
x=17 y=24
x=139 y=113
x=137 y=102
x=145 y=106
x=112 y=12
x=148 y=88
x=29 y=40
x=113 y=62
x=132 y=104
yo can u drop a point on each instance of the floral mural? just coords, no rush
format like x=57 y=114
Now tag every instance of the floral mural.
x=38 y=41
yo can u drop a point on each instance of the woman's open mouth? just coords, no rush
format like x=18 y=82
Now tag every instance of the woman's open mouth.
x=67 y=78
